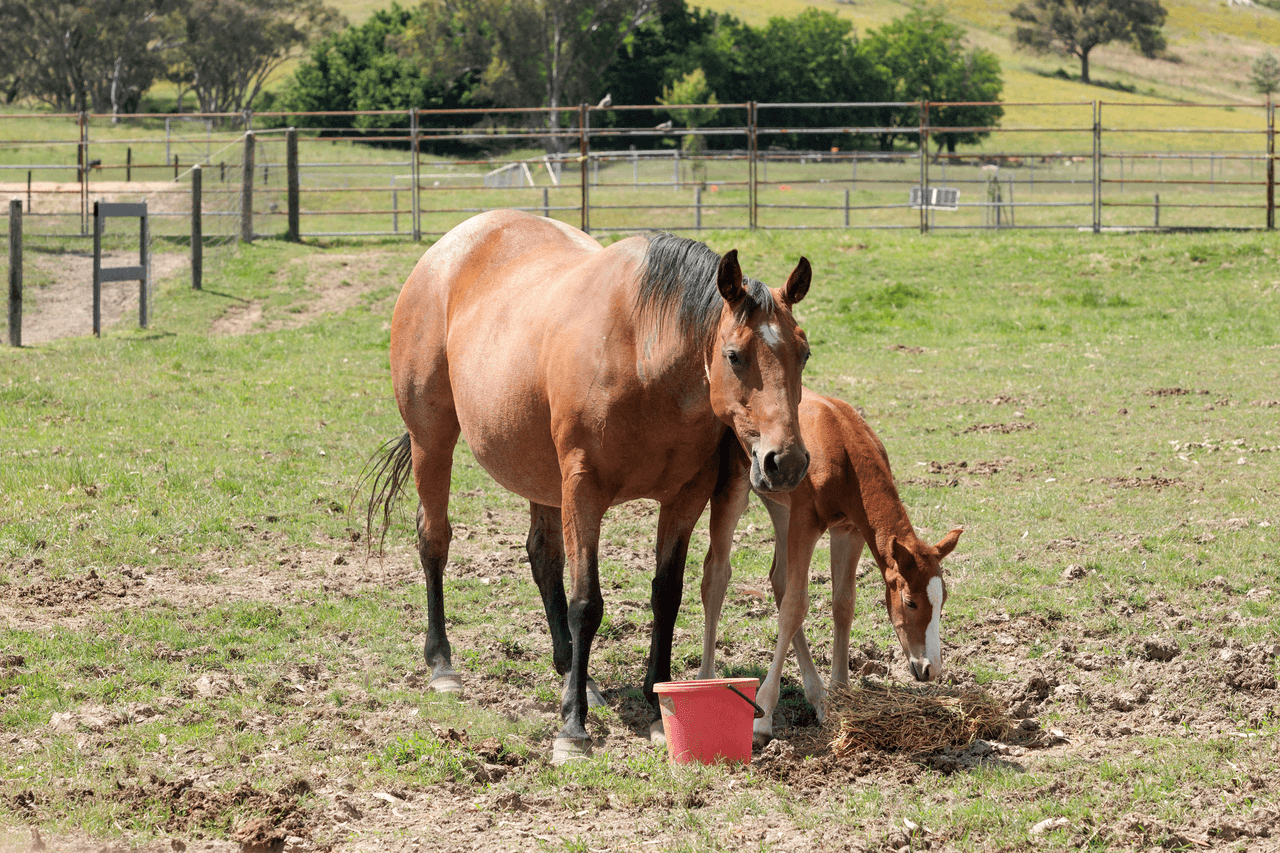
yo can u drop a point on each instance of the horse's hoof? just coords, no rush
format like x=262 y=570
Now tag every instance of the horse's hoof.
x=595 y=699
x=567 y=749
x=445 y=682
x=759 y=740
x=657 y=734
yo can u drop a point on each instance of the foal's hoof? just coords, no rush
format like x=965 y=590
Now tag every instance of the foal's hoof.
x=567 y=749
x=657 y=734
x=445 y=681
x=595 y=699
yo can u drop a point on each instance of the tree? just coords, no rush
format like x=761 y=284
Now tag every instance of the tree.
x=82 y=54
x=1264 y=74
x=690 y=90
x=362 y=68
x=1076 y=27
x=527 y=53
x=921 y=57
x=226 y=49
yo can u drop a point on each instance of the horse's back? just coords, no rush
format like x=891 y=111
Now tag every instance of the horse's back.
x=848 y=464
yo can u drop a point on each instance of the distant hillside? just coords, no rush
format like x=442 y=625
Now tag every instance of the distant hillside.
x=1211 y=46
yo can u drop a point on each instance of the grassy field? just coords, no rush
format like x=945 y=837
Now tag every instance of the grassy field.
x=194 y=640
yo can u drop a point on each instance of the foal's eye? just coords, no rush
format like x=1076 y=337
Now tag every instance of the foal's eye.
x=911 y=605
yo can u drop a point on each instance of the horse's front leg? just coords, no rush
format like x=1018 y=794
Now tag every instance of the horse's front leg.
x=545 y=547
x=727 y=507
x=676 y=520
x=582 y=511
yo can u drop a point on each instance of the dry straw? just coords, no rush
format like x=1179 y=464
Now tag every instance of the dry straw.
x=915 y=719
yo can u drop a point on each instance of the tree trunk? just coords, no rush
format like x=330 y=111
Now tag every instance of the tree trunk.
x=115 y=90
x=1084 y=66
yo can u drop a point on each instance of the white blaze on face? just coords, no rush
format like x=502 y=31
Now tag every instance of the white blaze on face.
x=932 y=642
x=771 y=335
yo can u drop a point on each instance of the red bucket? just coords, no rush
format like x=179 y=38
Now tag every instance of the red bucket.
x=708 y=721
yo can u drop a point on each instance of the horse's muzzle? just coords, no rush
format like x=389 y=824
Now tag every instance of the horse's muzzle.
x=775 y=471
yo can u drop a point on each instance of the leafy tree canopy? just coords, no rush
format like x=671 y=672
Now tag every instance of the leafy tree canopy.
x=1076 y=27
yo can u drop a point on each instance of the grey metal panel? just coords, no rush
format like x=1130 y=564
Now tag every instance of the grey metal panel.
x=121 y=274
x=121 y=208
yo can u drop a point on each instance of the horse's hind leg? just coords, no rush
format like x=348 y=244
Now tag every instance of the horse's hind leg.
x=545 y=547
x=432 y=466
x=846 y=547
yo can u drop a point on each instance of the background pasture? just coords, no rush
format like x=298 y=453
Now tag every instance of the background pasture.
x=193 y=638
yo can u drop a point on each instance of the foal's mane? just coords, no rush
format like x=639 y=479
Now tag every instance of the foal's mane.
x=677 y=290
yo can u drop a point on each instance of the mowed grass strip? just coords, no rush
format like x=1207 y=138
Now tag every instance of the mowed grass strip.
x=183 y=596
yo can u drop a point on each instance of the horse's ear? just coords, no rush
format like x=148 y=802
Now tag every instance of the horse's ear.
x=901 y=554
x=798 y=282
x=729 y=278
x=948 y=543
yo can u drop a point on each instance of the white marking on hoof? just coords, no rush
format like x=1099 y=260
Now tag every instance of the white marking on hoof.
x=566 y=749
x=657 y=734
x=595 y=699
x=447 y=681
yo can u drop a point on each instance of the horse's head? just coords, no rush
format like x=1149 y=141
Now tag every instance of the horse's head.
x=914 y=592
x=754 y=367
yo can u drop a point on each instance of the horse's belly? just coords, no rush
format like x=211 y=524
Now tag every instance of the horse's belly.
x=509 y=433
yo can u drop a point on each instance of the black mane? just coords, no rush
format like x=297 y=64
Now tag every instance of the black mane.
x=678 y=288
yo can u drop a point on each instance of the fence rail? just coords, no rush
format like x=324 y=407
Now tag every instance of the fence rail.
x=1091 y=165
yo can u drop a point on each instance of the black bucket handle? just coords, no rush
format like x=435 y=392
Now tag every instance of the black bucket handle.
x=752 y=702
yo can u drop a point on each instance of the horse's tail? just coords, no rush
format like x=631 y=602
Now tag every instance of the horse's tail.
x=389 y=469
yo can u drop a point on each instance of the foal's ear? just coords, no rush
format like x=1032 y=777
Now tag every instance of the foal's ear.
x=729 y=278
x=948 y=543
x=798 y=282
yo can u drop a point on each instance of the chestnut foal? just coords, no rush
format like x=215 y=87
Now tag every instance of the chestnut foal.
x=850 y=491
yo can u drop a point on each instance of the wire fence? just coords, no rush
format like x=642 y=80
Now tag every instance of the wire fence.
x=1090 y=165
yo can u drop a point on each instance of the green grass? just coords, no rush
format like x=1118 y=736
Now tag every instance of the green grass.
x=229 y=463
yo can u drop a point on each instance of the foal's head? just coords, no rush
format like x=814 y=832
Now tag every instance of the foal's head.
x=914 y=592
x=754 y=367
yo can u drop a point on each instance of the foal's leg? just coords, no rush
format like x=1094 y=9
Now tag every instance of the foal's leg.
x=846 y=548
x=794 y=540
x=726 y=511
x=432 y=466
x=545 y=547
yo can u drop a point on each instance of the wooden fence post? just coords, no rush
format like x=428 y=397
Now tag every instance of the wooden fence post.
x=246 y=191
x=291 y=180
x=144 y=261
x=197 y=227
x=15 y=272
x=97 y=273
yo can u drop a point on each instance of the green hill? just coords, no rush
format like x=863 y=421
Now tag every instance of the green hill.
x=1211 y=46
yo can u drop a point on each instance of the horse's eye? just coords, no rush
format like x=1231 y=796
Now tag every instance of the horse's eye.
x=735 y=357
x=911 y=605
x=804 y=358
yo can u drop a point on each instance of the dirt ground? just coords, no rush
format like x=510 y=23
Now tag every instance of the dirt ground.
x=1108 y=700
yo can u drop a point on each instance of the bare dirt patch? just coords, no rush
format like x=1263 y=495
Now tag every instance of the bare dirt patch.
x=331 y=288
x=64 y=308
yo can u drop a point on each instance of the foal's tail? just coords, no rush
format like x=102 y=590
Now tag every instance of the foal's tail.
x=389 y=469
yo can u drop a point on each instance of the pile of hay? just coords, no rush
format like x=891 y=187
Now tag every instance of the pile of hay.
x=872 y=715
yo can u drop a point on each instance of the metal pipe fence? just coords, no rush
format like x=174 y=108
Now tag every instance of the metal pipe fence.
x=1091 y=165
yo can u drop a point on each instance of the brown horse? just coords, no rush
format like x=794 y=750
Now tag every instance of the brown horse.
x=582 y=377
x=849 y=491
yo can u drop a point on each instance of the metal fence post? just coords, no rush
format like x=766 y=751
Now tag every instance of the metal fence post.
x=83 y=176
x=413 y=171
x=1097 y=167
x=15 y=272
x=197 y=227
x=546 y=202
x=924 y=167
x=846 y=208
x=753 y=192
x=246 y=191
x=697 y=208
x=1271 y=164
x=144 y=261
x=583 y=154
x=97 y=273
x=291 y=181
x=1155 y=210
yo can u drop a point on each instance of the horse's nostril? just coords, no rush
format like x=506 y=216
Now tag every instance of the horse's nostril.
x=770 y=463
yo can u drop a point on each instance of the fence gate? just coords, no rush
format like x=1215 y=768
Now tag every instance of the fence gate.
x=140 y=273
